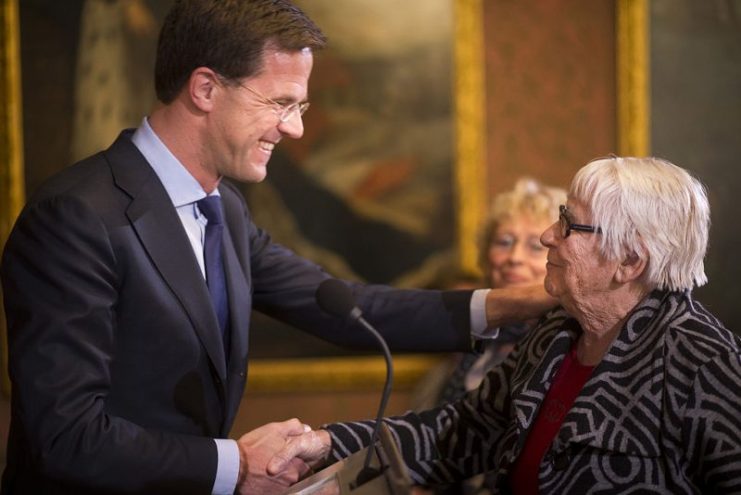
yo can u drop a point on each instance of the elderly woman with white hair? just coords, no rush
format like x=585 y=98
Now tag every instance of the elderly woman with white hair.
x=630 y=385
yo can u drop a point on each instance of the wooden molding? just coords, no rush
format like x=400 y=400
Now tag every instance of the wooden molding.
x=336 y=374
x=470 y=129
x=633 y=77
x=12 y=194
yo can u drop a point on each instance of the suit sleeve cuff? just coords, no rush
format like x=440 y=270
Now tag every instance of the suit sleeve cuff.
x=227 y=467
x=479 y=327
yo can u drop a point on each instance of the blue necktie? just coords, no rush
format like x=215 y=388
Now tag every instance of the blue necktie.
x=210 y=206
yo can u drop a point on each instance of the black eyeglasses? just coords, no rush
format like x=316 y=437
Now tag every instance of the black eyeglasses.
x=567 y=226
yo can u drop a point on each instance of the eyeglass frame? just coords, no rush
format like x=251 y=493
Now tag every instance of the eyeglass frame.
x=566 y=226
x=286 y=111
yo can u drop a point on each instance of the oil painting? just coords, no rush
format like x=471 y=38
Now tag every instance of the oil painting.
x=367 y=192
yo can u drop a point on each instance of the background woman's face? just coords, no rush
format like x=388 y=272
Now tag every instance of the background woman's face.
x=516 y=256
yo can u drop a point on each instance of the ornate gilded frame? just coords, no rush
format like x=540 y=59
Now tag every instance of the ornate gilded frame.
x=632 y=46
x=632 y=31
x=633 y=110
x=633 y=77
x=11 y=141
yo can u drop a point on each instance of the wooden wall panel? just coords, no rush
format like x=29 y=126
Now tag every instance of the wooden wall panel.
x=550 y=87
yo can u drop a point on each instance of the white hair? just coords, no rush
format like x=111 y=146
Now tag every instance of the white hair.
x=650 y=207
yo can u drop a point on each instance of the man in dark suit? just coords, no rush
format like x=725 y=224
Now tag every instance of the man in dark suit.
x=129 y=277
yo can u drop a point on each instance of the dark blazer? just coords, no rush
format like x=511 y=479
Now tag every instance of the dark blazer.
x=660 y=414
x=119 y=377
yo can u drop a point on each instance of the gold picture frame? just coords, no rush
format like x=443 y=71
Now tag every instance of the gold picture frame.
x=12 y=194
x=632 y=31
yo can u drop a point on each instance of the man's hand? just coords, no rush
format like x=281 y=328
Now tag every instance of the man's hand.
x=516 y=304
x=257 y=448
x=312 y=447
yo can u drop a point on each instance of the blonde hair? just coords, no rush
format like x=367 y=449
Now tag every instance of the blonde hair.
x=529 y=198
x=650 y=207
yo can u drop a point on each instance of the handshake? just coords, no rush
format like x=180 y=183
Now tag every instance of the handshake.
x=277 y=455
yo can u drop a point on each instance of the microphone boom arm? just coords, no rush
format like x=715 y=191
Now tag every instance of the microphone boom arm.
x=384 y=396
x=335 y=298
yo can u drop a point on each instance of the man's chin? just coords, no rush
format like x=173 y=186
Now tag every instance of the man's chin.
x=254 y=174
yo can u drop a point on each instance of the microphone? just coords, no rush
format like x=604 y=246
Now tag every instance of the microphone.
x=335 y=298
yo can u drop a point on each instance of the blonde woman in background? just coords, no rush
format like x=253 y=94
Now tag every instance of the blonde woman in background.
x=510 y=254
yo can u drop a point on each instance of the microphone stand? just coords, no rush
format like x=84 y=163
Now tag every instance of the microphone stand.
x=335 y=298
x=368 y=473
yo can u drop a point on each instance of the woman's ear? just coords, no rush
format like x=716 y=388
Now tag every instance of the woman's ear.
x=202 y=88
x=631 y=268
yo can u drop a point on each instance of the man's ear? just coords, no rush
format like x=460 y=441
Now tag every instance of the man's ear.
x=631 y=268
x=202 y=88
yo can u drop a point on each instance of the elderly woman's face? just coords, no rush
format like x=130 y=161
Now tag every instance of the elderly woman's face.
x=516 y=256
x=576 y=270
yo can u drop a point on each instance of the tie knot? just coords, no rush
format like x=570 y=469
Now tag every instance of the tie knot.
x=210 y=206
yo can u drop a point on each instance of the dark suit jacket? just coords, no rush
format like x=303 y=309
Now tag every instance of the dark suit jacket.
x=119 y=376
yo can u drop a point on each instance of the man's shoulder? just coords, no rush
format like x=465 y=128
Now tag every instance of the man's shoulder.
x=93 y=176
x=74 y=179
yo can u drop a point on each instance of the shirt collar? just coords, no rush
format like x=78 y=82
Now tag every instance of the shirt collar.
x=182 y=187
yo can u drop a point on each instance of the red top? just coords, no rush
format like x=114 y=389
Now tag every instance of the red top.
x=567 y=384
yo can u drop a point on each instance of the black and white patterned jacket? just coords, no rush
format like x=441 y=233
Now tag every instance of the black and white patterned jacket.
x=660 y=414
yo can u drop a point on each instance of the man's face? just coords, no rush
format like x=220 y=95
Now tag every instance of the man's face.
x=244 y=126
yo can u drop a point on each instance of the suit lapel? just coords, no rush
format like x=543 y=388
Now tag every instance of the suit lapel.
x=239 y=313
x=161 y=233
x=236 y=262
x=239 y=306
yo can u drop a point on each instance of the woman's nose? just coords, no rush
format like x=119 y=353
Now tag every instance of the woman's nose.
x=518 y=252
x=548 y=237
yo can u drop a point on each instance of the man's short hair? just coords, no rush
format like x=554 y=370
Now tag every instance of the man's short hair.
x=227 y=36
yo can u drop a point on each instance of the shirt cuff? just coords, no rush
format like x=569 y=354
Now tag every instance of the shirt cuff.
x=479 y=327
x=227 y=467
